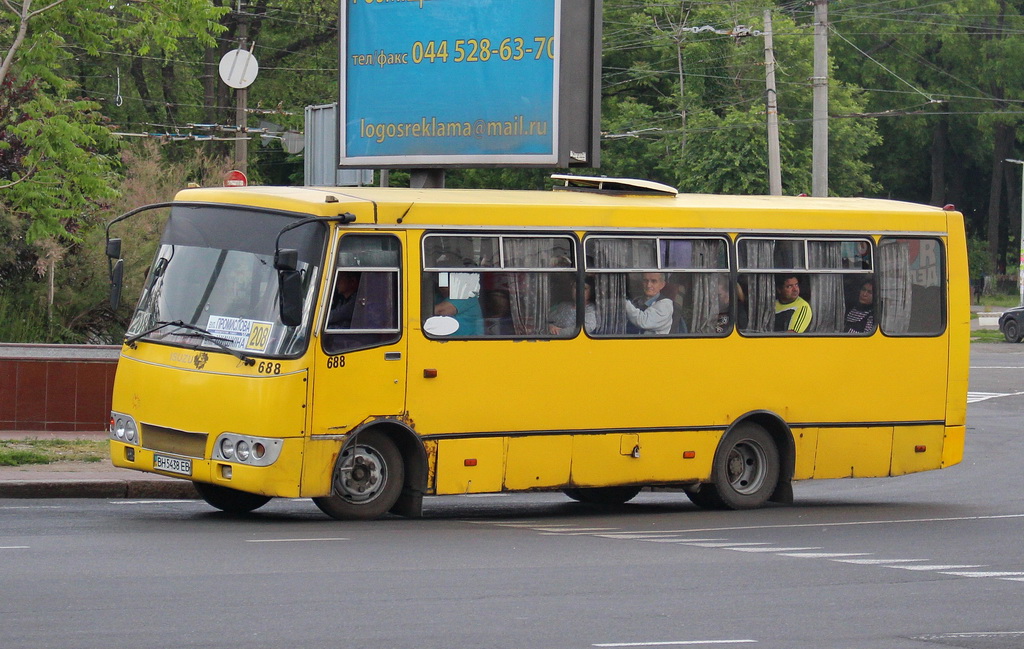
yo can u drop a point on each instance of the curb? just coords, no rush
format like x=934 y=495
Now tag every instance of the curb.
x=162 y=489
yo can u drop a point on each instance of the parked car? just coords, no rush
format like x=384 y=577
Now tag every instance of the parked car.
x=1011 y=323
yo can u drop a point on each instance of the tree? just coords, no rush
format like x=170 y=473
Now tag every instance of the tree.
x=65 y=163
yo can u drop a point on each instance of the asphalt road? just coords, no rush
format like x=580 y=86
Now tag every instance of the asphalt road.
x=927 y=560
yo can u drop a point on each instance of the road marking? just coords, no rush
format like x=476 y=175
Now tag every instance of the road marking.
x=573 y=530
x=726 y=545
x=927 y=568
x=772 y=549
x=639 y=537
x=14 y=547
x=292 y=540
x=877 y=562
x=973 y=634
x=981 y=574
x=673 y=643
x=786 y=526
x=975 y=397
x=824 y=555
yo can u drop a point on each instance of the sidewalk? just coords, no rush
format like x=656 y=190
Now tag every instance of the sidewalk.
x=84 y=479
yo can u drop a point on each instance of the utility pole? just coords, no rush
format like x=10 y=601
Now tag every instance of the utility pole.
x=774 y=159
x=819 y=147
x=1020 y=268
x=242 y=102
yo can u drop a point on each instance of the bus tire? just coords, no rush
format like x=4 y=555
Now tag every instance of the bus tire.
x=230 y=500
x=745 y=469
x=705 y=496
x=602 y=495
x=367 y=479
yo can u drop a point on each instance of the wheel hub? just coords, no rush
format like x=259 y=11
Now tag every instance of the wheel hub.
x=360 y=475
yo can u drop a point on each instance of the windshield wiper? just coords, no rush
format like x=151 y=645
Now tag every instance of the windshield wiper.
x=205 y=335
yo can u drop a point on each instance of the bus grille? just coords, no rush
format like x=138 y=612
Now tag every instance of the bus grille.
x=169 y=440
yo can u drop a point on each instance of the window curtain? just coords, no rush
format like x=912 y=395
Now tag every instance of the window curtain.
x=705 y=287
x=760 y=286
x=529 y=293
x=612 y=288
x=828 y=304
x=894 y=288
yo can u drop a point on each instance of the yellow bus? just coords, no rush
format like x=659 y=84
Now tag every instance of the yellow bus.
x=367 y=347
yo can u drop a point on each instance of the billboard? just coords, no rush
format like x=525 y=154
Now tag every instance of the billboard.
x=435 y=83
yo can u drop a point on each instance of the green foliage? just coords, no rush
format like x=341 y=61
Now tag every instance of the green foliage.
x=979 y=262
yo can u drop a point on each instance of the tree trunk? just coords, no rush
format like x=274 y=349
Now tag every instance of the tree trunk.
x=139 y=77
x=940 y=145
x=1004 y=136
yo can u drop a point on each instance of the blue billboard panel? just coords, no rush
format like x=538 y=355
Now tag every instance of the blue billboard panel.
x=449 y=82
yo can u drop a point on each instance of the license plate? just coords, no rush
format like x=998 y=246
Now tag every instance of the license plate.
x=172 y=464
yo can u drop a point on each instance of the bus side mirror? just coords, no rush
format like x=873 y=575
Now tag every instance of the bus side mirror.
x=116 y=275
x=289 y=285
x=286 y=259
x=114 y=248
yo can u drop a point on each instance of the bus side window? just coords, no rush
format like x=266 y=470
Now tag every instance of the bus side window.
x=910 y=286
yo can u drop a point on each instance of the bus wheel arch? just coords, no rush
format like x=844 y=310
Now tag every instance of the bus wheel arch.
x=380 y=469
x=753 y=464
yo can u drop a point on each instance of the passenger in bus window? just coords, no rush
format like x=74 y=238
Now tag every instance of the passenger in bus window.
x=562 y=320
x=651 y=313
x=860 y=319
x=792 y=312
x=497 y=309
x=344 y=303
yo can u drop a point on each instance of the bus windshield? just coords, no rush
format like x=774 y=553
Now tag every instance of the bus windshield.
x=213 y=282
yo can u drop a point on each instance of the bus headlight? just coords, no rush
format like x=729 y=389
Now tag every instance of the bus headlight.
x=247 y=449
x=123 y=428
x=131 y=434
x=227 y=448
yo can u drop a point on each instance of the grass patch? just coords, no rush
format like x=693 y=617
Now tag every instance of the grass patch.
x=987 y=336
x=999 y=300
x=17 y=452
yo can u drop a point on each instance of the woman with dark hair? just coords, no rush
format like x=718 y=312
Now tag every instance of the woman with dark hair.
x=860 y=319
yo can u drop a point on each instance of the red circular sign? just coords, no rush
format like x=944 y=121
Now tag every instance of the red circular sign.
x=235 y=178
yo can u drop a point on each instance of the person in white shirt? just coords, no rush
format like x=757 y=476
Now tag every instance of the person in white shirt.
x=651 y=313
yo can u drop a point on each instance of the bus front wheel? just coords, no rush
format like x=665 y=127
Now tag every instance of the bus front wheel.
x=367 y=479
x=230 y=500
x=744 y=473
x=602 y=495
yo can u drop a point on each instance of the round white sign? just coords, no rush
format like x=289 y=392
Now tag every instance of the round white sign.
x=239 y=68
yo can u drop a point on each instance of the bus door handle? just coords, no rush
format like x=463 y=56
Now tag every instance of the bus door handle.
x=392 y=356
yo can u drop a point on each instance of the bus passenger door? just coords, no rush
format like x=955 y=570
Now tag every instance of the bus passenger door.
x=361 y=352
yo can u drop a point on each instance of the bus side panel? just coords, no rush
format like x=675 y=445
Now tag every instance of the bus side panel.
x=646 y=458
x=318 y=466
x=917 y=448
x=538 y=462
x=854 y=452
x=959 y=324
x=466 y=466
x=953 y=445
x=805 y=441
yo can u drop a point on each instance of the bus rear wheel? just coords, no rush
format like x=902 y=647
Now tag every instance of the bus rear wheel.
x=744 y=473
x=367 y=479
x=230 y=500
x=602 y=495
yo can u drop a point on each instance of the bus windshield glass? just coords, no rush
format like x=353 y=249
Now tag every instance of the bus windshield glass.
x=213 y=282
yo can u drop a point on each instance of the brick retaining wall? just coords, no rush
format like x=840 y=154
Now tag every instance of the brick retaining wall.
x=56 y=387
